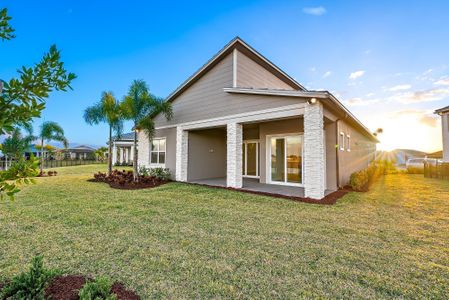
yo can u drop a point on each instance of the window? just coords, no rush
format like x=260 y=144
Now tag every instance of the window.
x=348 y=143
x=342 y=141
x=157 y=155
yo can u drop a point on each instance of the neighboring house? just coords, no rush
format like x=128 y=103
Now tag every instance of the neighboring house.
x=36 y=152
x=402 y=155
x=242 y=122
x=80 y=152
x=123 y=149
x=444 y=113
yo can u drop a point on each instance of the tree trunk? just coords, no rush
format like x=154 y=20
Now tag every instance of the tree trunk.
x=42 y=156
x=135 y=169
x=110 y=152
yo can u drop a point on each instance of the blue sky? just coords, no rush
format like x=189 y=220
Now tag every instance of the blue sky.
x=386 y=60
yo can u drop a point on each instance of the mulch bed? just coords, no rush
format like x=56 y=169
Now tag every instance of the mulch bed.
x=67 y=288
x=329 y=199
x=124 y=180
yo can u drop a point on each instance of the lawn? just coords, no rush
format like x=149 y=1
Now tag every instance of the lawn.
x=185 y=241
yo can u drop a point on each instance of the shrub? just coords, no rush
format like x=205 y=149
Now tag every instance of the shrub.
x=97 y=290
x=29 y=285
x=359 y=180
x=158 y=173
x=362 y=180
x=415 y=170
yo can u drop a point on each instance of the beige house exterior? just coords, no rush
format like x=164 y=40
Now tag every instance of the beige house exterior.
x=444 y=113
x=242 y=120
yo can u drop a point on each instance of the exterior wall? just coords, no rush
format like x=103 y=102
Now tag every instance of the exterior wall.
x=251 y=74
x=361 y=154
x=294 y=125
x=205 y=99
x=207 y=154
x=143 y=146
x=445 y=131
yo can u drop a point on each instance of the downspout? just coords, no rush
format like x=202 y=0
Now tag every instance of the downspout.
x=337 y=158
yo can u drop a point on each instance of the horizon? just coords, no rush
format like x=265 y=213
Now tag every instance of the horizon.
x=391 y=72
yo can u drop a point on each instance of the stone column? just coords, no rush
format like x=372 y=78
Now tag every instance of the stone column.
x=234 y=155
x=131 y=154
x=143 y=148
x=114 y=154
x=314 y=152
x=182 y=155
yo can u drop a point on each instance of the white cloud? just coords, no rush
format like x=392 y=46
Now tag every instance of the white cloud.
x=424 y=117
x=314 y=11
x=434 y=94
x=443 y=81
x=357 y=101
x=400 y=87
x=356 y=74
x=369 y=94
x=327 y=74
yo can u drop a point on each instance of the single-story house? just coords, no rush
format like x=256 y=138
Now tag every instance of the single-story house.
x=444 y=113
x=80 y=152
x=123 y=149
x=242 y=122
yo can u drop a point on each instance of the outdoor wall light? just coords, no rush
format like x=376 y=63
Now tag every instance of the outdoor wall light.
x=312 y=101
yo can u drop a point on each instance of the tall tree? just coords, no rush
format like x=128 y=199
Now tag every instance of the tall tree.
x=139 y=106
x=50 y=131
x=23 y=98
x=107 y=110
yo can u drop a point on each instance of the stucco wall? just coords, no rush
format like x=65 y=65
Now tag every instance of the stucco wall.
x=207 y=154
x=331 y=156
x=445 y=131
x=361 y=154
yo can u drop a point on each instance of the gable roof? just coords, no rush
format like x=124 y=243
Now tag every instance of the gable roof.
x=442 y=110
x=124 y=137
x=236 y=43
x=81 y=147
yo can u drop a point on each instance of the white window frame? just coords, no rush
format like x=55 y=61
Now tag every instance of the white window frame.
x=158 y=165
x=246 y=142
x=348 y=143
x=341 y=141
x=268 y=159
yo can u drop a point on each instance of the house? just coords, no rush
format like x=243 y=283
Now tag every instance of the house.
x=401 y=156
x=80 y=152
x=123 y=149
x=242 y=122
x=444 y=113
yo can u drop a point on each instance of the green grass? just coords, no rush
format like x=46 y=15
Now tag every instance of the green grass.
x=184 y=241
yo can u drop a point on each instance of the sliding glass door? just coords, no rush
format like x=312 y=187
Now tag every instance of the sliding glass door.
x=286 y=159
x=250 y=158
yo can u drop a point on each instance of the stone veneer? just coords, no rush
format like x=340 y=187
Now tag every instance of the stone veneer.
x=182 y=146
x=314 y=152
x=234 y=155
x=143 y=144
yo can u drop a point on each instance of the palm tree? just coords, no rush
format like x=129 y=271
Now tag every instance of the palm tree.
x=139 y=106
x=17 y=144
x=50 y=131
x=107 y=110
x=100 y=153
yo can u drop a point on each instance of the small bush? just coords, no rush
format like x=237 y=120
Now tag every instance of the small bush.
x=29 y=285
x=158 y=173
x=97 y=290
x=415 y=170
x=361 y=180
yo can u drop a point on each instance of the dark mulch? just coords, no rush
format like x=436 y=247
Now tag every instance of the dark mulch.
x=329 y=199
x=124 y=180
x=67 y=288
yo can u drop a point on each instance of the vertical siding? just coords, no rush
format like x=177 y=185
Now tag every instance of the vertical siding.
x=252 y=75
x=361 y=154
x=170 y=148
x=331 y=156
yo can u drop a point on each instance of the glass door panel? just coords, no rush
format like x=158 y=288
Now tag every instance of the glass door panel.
x=278 y=159
x=294 y=159
x=251 y=159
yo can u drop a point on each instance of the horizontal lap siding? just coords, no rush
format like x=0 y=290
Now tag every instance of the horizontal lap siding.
x=361 y=154
x=205 y=99
x=252 y=75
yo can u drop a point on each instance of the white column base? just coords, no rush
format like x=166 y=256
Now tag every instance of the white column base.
x=314 y=152
x=234 y=155
x=182 y=155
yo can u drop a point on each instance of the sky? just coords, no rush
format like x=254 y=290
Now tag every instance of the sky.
x=387 y=61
